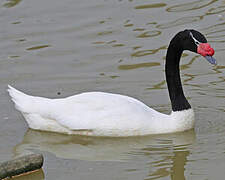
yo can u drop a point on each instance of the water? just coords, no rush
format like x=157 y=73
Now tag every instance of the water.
x=58 y=48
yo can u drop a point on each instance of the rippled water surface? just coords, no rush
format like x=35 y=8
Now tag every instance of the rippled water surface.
x=56 y=48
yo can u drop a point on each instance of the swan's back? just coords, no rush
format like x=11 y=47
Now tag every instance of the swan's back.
x=108 y=110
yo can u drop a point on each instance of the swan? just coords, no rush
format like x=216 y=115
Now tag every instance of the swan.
x=107 y=114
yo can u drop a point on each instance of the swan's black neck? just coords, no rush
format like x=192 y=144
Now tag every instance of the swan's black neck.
x=178 y=100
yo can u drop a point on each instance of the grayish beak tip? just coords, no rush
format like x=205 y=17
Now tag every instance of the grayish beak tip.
x=211 y=60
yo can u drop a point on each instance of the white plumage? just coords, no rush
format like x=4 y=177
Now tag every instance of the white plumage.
x=98 y=114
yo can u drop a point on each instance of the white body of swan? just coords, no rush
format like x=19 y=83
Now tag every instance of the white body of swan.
x=98 y=114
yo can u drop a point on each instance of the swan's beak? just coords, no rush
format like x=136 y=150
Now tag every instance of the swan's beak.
x=211 y=59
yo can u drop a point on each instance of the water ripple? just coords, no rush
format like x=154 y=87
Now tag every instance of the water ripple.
x=147 y=6
x=218 y=68
x=128 y=24
x=37 y=47
x=118 y=45
x=180 y=21
x=136 y=66
x=216 y=10
x=105 y=33
x=149 y=34
x=216 y=32
x=147 y=52
x=159 y=85
x=215 y=28
x=221 y=80
x=139 y=29
x=187 y=65
x=190 y=6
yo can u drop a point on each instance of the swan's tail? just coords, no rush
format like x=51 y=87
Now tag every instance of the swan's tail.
x=23 y=102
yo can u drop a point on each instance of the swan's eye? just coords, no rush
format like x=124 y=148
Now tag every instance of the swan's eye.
x=195 y=40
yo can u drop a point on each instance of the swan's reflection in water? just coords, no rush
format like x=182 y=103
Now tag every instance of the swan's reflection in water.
x=164 y=155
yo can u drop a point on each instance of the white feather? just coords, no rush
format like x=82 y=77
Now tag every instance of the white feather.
x=98 y=114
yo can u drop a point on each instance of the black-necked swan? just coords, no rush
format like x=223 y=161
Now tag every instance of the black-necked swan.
x=106 y=114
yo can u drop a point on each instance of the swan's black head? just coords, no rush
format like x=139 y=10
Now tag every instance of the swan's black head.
x=185 y=40
x=194 y=41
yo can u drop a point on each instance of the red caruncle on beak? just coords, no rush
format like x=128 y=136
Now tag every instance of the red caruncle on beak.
x=205 y=49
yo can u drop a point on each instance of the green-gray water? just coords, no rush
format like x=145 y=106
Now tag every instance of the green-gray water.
x=56 y=48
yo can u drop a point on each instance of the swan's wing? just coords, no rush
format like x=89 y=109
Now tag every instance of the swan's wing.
x=99 y=110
